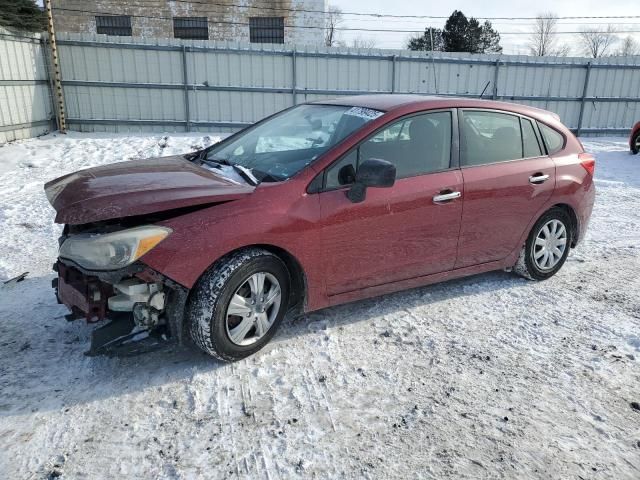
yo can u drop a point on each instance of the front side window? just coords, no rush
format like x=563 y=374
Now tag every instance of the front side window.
x=415 y=145
x=119 y=25
x=281 y=146
x=194 y=28
x=343 y=172
x=266 y=29
x=554 y=140
x=489 y=137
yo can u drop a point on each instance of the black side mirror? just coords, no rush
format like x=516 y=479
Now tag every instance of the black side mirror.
x=371 y=173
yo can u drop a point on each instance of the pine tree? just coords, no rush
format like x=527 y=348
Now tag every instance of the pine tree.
x=474 y=36
x=22 y=15
x=462 y=34
x=455 y=31
x=490 y=39
x=424 y=42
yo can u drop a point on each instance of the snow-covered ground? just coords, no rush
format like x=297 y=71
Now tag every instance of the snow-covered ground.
x=486 y=377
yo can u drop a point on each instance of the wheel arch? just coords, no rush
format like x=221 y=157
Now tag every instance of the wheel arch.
x=511 y=260
x=298 y=277
x=575 y=226
x=298 y=296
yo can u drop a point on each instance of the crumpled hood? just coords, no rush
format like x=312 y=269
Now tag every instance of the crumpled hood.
x=136 y=188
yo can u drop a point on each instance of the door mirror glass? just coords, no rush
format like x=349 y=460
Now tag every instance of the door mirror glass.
x=371 y=173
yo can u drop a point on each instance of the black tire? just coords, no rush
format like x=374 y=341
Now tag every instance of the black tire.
x=210 y=298
x=526 y=266
x=634 y=143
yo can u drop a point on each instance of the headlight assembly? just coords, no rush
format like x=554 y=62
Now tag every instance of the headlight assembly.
x=111 y=251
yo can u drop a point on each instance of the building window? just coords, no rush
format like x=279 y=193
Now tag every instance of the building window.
x=193 y=28
x=266 y=29
x=114 y=25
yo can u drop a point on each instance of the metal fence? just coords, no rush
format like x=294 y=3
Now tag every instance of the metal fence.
x=118 y=84
x=25 y=95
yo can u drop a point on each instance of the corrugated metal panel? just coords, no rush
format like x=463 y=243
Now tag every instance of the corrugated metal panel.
x=229 y=83
x=25 y=101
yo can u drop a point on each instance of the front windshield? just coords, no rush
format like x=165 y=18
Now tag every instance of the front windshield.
x=280 y=147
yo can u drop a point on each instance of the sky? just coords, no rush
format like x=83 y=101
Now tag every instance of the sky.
x=512 y=44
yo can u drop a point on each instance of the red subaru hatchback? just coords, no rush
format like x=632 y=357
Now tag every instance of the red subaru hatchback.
x=320 y=204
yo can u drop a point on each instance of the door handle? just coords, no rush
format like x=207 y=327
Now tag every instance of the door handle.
x=538 y=178
x=445 y=197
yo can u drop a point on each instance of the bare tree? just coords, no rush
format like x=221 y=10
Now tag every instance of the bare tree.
x=543 y=40
x=629 y=47
x=596 y=41
x=333 y=19
x=366 y=42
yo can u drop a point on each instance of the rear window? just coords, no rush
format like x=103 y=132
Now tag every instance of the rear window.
x=553 y=139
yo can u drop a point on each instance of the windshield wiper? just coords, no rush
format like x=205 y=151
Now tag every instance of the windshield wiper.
x=244 y=172
x=214 y=161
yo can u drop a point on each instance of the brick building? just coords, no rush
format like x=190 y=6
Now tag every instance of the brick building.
x=257 y=21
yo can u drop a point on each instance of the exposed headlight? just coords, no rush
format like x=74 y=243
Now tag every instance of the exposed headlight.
x=110 y=251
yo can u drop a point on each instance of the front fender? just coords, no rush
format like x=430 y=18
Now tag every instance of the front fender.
x=272 y=216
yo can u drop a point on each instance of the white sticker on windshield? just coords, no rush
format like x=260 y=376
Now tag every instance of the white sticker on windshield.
x=363 y=112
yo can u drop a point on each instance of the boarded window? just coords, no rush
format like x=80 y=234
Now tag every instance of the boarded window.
x=266 y=29
x=194 y=28
x=114 y=25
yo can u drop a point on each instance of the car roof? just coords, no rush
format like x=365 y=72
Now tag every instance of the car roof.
x=382 y=101
x=387 y=102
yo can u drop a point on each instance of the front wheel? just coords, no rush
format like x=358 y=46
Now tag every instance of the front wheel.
x=635 y=143
x=238 y=304
x=547 y=246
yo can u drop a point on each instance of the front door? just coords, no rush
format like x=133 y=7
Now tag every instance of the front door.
x=405 y=231
x=507 y=180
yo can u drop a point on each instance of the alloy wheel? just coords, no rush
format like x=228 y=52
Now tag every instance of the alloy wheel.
x=253 y=308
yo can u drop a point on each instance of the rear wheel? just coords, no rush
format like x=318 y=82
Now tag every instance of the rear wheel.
x=635 y=143
x=547 y=246
x=237 y=305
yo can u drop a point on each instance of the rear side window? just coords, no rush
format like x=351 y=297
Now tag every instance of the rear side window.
x=489 y=137
x=553 y=139
x=530 y=144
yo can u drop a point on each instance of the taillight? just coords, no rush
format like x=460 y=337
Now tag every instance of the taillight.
x=588 y=161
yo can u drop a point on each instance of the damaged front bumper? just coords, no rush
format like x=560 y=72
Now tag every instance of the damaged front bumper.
x=145 y=309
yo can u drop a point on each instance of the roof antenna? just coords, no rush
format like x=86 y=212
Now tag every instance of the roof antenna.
x=485 y=88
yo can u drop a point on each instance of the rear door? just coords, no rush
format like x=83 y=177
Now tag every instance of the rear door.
x=507 y=180
x=400 y=232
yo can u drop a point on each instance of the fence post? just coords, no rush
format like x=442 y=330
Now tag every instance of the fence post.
x=185 y=81
x=294 y=77
x=585 y=87
x=57 y=78
x=52 y=88
x=394 y=58
x=495 y=79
